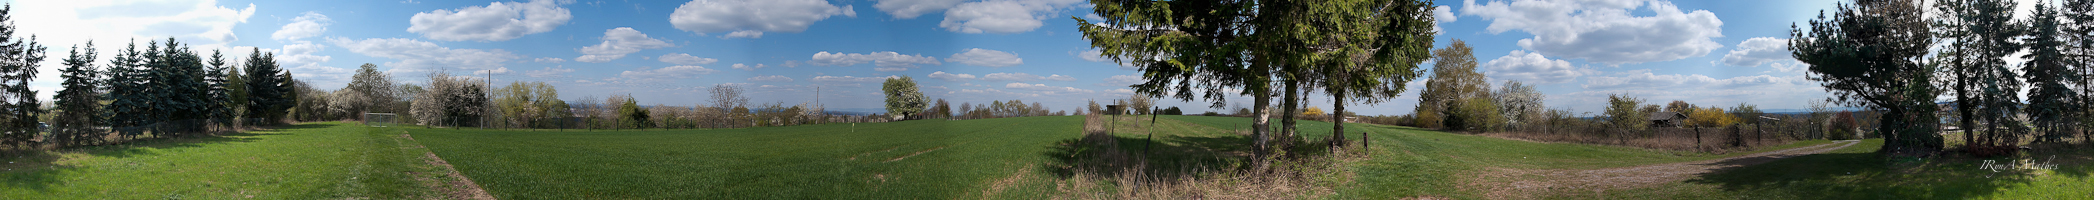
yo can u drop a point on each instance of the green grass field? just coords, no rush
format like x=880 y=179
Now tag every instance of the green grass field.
x=306 y=161
x=1008 y=158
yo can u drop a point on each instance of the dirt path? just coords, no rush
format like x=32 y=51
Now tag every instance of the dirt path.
x=1524 y=183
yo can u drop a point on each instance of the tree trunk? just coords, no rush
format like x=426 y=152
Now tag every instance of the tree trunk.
x=1963 y=110
x=1338 y=118
x=1289 y=111
x=1261 y=122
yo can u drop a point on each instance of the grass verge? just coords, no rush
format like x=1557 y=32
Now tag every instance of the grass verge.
x=304 y=161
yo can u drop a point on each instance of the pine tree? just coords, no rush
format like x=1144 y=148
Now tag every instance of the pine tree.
x=218 y=105
x=19 y=58
x=2048 y=75
x=78 y=104
x=127 y=107
x=269 y=89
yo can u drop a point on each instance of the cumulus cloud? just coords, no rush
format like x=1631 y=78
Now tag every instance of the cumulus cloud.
x=986 y=58
x=1604 y=31
x=549 y=72
x=886 y=61
x=750 y=18
x=1121 y=80
x=1646 y=80
x=202 y=24
x=941 y=75
x=685 y=59
x=771 y=78
x=666 y=73
x=305 y=25
x=1016 y=77
x=748 y=67
x=1441 y=15
x=549 y=60
x=1059 y=77
x=617 y=42
x=1045 y=88
x=1001 y=16
x=910 y=9
x=1759 y=50
x=497 y=21
x=1534 y=68
x=419 y=56
x=1096 y=55
x=850 y=79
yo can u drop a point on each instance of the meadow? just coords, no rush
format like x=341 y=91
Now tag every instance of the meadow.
x=1004 y=158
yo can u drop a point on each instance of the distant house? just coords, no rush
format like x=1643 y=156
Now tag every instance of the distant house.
x=1667 y=119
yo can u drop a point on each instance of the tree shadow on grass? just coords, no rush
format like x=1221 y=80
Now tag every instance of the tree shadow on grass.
x=1870 y=176
x=1168 y=157
x=37 y=169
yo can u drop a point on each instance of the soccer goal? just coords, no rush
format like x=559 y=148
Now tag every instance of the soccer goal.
x=379 y=119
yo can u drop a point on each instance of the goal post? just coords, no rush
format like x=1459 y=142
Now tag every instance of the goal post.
x=379 y=119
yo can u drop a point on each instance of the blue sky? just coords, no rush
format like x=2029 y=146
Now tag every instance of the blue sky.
x=666 y=52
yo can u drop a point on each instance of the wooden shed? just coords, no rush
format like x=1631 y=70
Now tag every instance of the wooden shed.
x=1667 y=119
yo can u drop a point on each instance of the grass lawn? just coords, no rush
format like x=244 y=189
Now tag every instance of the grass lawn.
x=305 y=161
x=920 y=159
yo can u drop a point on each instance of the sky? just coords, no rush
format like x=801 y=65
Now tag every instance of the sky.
x=1714 y=52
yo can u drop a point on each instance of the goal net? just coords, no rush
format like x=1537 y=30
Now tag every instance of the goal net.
x=379 y=119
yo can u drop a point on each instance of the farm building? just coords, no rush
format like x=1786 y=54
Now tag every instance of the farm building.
x=1667 y=119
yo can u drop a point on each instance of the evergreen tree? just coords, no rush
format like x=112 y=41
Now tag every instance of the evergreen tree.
x=269 y=89
x=19 y=58
x=2048 y=76
x=1868 y=55
x=218 y=105
x=78 y=103
x=128 y=104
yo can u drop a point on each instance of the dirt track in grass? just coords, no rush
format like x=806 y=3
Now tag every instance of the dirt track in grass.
x=1511 y=183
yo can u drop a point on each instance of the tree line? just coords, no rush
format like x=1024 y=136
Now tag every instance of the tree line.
x=165 y=89
x=1898 y=56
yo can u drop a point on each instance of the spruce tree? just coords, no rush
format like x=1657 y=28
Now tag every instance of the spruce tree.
x=19 y=58
x=127 y=107
x=2048 y=74
x=78 y=104
x=269 y=93
x=218 y=105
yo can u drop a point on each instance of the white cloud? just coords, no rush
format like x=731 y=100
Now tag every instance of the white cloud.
x=1096 y=55
x=750 y=18
x=549 y=72
x=1646 y=80
x=419 y=56
x=771 y=78
x=497 y=21
x=748 y=67
x=496 y=71
x=59 y=24
x=1533 y=68
x=886 y=61
x=1059 y=77
x=1604 y=31
x=1044 y=88
x=617 y=42
x=666 y=73
x=941 y=75
x=1015 y=77
x=549 y=60
x=986 y=58
x=850 y=79
x=1013 y=16
x=685 y=59
x=305 y=25
x=1441 y=15
x=1121 y=80
x=1759 y=50
x=910 y=9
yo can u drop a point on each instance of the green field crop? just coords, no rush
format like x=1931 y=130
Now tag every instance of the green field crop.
x=306 y=161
